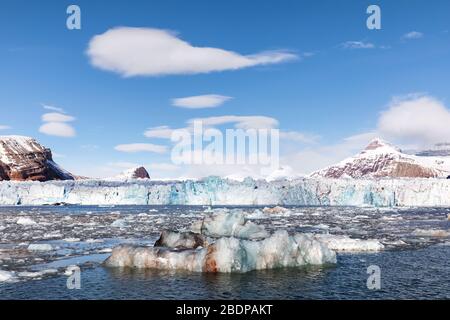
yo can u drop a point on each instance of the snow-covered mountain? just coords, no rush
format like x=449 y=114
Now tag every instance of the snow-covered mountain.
x=131 y=174
x=23 y=158
x=381 y=159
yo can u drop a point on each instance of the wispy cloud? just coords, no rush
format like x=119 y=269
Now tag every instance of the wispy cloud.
x=55 y=124
x=240 y=122
x=52 y=108
x=202 y=101
x=141 y=147
x=412 y=35
x=357 y=45
x=57 y=117
x=154 y=52
x=163 y=132
x=4 y=127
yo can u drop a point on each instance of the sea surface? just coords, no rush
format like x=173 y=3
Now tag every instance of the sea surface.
x=413 y=265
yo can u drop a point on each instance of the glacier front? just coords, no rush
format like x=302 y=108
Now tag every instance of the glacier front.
x=415 y=192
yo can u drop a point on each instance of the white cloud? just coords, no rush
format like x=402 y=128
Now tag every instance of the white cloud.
x=357 y=45
x=60 y=129
x=4 y=127
x=55 y=124
x=141 y=147
x=240 y=122
x=420 y=120
x=153 y=52
x=56 y=117
x=52 y=108
x=412 y=35
x=198 y=102
x=163 y=132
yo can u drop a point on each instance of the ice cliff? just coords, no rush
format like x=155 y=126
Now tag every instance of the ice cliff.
x=217 y=191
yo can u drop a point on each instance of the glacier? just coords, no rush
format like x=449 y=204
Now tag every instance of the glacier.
x=413 y=192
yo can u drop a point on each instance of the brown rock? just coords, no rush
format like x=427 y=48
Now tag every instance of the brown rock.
x=23 y=158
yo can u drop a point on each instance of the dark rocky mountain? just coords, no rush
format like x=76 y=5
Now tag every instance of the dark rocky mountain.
x=23 y=158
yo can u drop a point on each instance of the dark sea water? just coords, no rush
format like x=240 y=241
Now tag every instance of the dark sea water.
x=412 y=267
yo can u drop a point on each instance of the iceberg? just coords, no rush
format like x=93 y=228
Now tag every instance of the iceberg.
x=408 y=192
x=217 y=249
x=7 y=276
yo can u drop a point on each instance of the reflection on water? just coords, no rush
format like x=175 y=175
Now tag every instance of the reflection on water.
x=182 y=284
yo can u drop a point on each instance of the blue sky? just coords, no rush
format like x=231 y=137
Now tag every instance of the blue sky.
x=332 y=91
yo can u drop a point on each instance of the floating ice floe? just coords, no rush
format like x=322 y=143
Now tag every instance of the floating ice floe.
x=40 y=247
x=227 y=243
x=25 y=221
x=7 y=276
x=275 y=210
x=431 y=233
x=37 y=274
x=345 y=243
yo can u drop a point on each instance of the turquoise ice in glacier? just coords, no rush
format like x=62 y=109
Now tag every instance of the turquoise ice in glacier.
x=218 y=191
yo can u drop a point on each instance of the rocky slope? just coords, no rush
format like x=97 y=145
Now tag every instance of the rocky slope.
x=23 y=158
x=381 y=159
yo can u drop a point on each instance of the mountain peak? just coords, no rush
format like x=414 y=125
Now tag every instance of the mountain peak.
x=380 y=159
x=379 y=143
x=132 y=173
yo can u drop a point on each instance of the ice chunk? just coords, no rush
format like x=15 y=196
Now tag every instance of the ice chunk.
x=37 y=274
x=228 y=254
x=72 y=239
x=119 y=223
x=185 y=240
x=431 y=233
x=275 y=210
x=25 y=221
x=345 y=243
x=7 y=276
x=232 y=224
x=40 y=247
